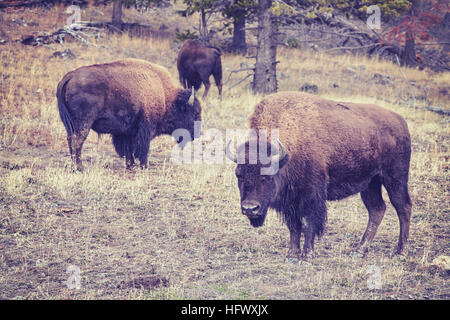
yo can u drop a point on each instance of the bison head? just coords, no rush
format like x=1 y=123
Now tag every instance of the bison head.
x=257 y=189
x=187 y=112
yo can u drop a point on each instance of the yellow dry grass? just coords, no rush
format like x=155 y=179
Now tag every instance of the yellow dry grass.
x=182 y=222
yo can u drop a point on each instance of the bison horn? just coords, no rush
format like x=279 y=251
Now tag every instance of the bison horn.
x=230 y=154
x=277 y=158
x=192 y=97
x=281 y=153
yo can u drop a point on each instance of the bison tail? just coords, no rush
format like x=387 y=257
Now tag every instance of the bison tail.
x=62 y=106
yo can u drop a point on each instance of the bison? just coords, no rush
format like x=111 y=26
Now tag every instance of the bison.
x=133 y=100
x=326 y=151
x=196 y=63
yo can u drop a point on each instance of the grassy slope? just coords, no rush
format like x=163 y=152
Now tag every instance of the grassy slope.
x=182 y=222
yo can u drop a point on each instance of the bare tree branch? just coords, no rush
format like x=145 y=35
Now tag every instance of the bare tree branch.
x=352 y=48
x=236 y=71
x=240 y=81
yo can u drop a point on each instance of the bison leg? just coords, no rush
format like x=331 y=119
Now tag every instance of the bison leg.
x=314 y=217
x=143 y=138
x=308 y=232
x=219 y=85
x=69 y=142
x=124 y=145
x=76 y=141
x=399 y=196
x=129 y=161
x=294 y=252
x=207 y=86
x=204 y=77
x=376 y=207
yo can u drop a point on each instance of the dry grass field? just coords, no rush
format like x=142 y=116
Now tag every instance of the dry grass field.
x=175 y=231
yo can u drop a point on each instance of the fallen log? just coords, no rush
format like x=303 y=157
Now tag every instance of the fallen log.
x=85 y=31
x=78 y=31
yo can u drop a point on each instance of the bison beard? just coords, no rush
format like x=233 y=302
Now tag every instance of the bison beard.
x=259 y=221
x=334 y=150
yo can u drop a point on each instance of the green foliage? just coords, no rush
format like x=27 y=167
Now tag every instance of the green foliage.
x=199 y=5
x=340 y=4
x=278 y=8
x=235 y=9
x=293 y=43
x=389 y=8
x=185 y=35
x=311 y=15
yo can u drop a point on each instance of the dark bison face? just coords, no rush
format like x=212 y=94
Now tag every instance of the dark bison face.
x=257 y=189
x=188 y=114
x=256 y=192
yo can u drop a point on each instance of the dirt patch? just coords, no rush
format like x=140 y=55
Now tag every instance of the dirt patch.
x=146 y=283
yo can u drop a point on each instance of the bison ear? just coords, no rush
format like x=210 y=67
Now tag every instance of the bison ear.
x=185 y=100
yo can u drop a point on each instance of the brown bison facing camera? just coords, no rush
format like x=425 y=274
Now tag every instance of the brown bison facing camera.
x=196 y=63
x=326 y=151
x=133 y=100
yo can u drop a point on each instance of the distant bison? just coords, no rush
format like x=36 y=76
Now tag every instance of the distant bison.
x=196 y=63
x=331 y=151
x=133 y=100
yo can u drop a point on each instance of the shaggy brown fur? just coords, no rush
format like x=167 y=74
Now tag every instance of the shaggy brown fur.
x=334 y=150
x=131 y=99
x=196 y=63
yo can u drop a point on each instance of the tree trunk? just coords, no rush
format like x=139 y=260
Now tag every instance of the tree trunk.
x=265 y=77
x=409 y=53
x=239 y=44
x=117 y=14
x=204 y=26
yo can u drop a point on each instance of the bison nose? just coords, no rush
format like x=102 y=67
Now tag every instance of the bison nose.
x=250 y=207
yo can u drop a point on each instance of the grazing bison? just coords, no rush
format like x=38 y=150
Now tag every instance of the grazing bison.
x=331 y=151
x=196 y=63
x=131 y=99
